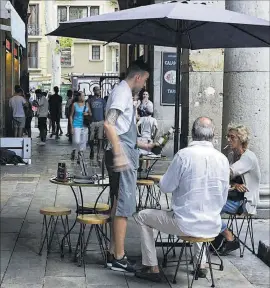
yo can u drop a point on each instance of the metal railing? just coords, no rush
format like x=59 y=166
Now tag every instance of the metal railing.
x=32 y=62
x=33 y=30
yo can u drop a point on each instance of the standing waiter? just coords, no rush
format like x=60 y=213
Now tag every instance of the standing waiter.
x=122 y=159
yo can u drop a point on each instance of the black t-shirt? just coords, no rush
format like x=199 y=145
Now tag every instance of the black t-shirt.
x=55 y=104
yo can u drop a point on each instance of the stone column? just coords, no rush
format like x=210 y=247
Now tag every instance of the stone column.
x=246 y=93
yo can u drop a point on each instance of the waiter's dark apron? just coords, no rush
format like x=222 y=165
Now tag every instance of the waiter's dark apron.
x=123 y=184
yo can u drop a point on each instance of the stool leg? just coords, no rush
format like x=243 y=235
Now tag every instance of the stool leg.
x=198 y=265
x=88 y=238
x=78 y=244
x=166 y=196
x=210 y=264
x=52 y=232
x=69 y=241
x=252 y=235
x=102 y=250
x=221 y=267
x=187 y=264
x=46 y=238
x=191 y=256
x=81 y=245
x=179 y=261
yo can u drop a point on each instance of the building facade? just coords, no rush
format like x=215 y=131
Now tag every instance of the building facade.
x=79 y=56
x=13 y=19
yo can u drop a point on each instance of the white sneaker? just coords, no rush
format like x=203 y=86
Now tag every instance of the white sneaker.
x=42 y=144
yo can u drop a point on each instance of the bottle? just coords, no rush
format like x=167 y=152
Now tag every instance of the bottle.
x=162 y=141
x=62 y=172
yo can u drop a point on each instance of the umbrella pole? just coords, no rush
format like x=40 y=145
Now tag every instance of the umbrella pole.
x=177 y=99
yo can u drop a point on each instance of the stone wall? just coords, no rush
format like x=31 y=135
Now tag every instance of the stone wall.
x=205 y=86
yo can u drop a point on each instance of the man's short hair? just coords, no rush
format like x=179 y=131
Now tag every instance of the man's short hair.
x=69 y=93
x=44 y=94
x=95 y=88
x=38 y=91
x=137 y=67
x=56 y=89
x=17 y=89
x=203 y=129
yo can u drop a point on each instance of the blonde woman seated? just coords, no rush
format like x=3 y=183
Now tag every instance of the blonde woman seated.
x=245 y=180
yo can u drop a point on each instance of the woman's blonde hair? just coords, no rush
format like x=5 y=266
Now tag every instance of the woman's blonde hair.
x=242 y=133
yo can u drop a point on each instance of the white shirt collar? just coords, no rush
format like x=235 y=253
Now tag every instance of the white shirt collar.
x=201 y=143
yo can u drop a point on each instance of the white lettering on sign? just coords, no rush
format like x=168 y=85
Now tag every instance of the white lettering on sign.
x=171 y=91
x=170 y=63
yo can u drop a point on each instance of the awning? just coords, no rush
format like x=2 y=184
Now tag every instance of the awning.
x=17 y=25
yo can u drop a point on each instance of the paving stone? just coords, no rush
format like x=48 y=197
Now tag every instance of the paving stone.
x=25 y=267
x=10 y=225
x=21 y=285
x=31 y=230
x=5 y=257
x=63 y=267
x=103 y=277
x=21 y=200
x=64 y=282
x=8 y=241
x=14 y=211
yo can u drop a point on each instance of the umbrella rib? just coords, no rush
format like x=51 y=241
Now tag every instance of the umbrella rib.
x=122 y=33
x=250 y=34
x=164 y=25
x=194 y=27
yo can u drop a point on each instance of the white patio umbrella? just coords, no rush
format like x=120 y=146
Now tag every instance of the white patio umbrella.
x=176 y=24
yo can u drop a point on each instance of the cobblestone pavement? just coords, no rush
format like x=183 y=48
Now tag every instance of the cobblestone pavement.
x=25 y=189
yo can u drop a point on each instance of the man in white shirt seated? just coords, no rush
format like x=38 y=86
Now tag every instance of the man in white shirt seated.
x=198 y=179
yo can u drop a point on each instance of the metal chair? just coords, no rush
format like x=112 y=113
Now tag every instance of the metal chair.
x=50 y=226
x=237 y=229
x=95 y=221
x=205 y=247
x=143 y=184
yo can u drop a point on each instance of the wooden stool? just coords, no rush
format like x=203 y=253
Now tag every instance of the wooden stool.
x=50 y=226
x=88 y=208
x=236 y=230
x=149 y=185
x=97 y=221
x=205 y=246
x=156 y=179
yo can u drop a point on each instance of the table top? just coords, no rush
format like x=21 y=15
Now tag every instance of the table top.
x=162 y=158
x=104 y=183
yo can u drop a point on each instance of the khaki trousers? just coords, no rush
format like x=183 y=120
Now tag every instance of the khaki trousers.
x=163 y=221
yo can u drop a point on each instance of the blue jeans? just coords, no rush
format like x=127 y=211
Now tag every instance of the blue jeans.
x=230 y=207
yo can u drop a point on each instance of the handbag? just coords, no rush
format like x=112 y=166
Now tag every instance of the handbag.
x=86 y=118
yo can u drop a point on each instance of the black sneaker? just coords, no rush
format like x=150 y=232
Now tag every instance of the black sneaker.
x=147 y=275
x=109 y=259
x=228 y=247
x=201 y=273
x=122 y=265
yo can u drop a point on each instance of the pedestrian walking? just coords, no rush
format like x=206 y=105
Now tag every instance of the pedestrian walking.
x=16 y=104
x=42 y=113
x=55 y=107
x=79 y=111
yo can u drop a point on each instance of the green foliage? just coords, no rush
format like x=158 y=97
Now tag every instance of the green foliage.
x=114 y=2
x=65 y=42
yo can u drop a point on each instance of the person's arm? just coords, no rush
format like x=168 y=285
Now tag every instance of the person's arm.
x=120 y=160
x=71 y=117
x=170 y=180
x=138 y=124
x=242 y=166
x=89 y=109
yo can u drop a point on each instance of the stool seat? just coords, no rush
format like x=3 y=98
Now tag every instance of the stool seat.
x=155 y=178
x=55 y=211
x=145 y=182
x=93 y=219
x=196 y=239
x=101 y=207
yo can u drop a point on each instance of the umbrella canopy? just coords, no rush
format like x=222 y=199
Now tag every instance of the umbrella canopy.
x=186 y=24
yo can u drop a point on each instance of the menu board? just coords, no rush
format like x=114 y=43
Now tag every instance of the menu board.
x=168 y=78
